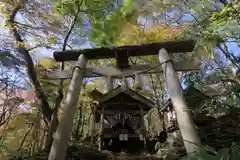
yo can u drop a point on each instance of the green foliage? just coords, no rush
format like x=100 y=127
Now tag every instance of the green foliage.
x=81 y=151
x=232 y=153
x=224 y=14
x=106 y=16
x=52 y=39
x=105 y=31
x=98 y=8
x=49 y=86
x=75 y=151
x=13 y=133
x=66 y=6
x=24 y=155
x=115 y=24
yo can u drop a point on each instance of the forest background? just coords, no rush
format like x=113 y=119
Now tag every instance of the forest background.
x=32 y=30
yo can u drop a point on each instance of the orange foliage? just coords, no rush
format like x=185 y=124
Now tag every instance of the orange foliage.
x=134 y=34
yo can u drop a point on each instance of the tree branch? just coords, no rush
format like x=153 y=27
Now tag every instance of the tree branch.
x=27 y=25
x=45 y=107
x=40 y=45
x=228 y=56
x=2 y=89
x=54 y=118
x=60 y=89
x=25 y=136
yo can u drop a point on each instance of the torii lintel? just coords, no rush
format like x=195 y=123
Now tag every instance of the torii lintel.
x=123 y=52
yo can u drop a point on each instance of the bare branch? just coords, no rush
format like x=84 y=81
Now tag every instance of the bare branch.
x=60 y=90
x=40 y=45
x=25 y=136
x=28 y=26
x=2 y=89
x=54 y=120
x=228 y=56
x=46 y=109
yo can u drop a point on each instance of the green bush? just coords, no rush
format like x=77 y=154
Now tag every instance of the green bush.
x=24 y=155
x=232 y=153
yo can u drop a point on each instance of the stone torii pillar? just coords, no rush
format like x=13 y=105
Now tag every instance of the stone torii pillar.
x=60 y=144
x=62 y=135
x=187 y=127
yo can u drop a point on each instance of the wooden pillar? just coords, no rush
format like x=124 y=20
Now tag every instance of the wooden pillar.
x=124 y=82
x=110 y=83
x=101 y=130
x=186 y=125
x=144 y=129
x=138 y=82
x=62 y=135
x=94 y=108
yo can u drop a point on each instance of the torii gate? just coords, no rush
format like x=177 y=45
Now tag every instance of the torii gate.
x=62 y=135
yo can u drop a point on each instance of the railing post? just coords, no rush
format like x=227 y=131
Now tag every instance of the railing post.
x=124 y=82
x=187 y=127
x=62 y=135
x=143 y=129
x=138 y=82
x=110 y=83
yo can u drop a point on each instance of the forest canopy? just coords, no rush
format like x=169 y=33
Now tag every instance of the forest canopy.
x=31 y=104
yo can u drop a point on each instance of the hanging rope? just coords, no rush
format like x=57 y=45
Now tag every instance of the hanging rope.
x=124 y=74
x=150 y=68
x=100 y=74
x=155 y=66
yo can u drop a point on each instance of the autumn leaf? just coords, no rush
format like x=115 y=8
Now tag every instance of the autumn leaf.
x=134 y=34
x=52 y=39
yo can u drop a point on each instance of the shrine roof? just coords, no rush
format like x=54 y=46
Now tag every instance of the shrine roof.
x=131 y=93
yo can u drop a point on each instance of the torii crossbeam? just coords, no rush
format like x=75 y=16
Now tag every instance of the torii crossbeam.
x=116 y=72
x=122 y=54
x=123 y=51
x=62 y=135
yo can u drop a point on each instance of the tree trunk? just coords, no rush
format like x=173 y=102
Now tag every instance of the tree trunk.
x=62 y=135
x=94 y=107
x=54 y=118
x=89 y=125
x=41 y=97
x=76 y=133
x=81 y=133
x=52 y=128
x=186 y=125
x=100 y=147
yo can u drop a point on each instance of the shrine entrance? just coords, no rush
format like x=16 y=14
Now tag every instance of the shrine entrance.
x=120 y=114
x=122 y=70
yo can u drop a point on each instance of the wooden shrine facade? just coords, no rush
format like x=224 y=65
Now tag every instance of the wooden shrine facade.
x=193 y=97
x=120 y=113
